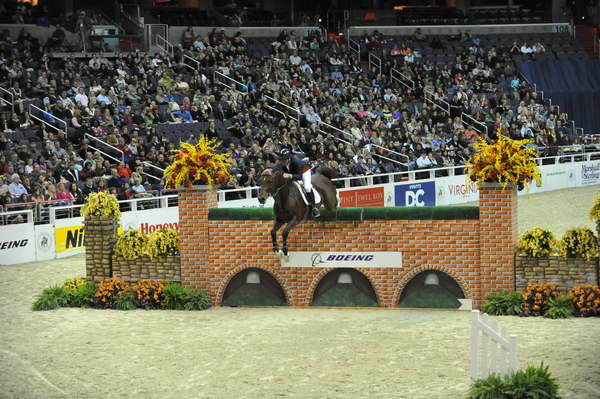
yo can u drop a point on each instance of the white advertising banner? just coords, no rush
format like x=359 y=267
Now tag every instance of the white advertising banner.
x=151 y=220
x=343 y=259
x=587 y=173
x=17 y=244
x=455 y=190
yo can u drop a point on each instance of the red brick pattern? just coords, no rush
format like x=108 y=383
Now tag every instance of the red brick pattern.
x=214 y=251
x=498 y=226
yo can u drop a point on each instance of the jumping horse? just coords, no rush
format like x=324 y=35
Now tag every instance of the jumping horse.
x=289 y=208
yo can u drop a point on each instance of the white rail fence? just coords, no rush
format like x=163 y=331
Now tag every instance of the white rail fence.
x=498 y=353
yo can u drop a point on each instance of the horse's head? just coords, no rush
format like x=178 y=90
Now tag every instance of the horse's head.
x=266 y=185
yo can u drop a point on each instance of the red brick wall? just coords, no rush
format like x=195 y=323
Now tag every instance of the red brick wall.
x=213 y=252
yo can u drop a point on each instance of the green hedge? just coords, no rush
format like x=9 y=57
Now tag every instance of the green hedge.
x=372 y=213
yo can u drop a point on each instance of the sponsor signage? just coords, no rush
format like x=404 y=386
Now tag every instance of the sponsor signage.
x=456 y=190
x=150 y=220
x=362 y=197
x=69 y=239
x=17 y=244
x=415 y=194
x=343 y=259
x=590 y=173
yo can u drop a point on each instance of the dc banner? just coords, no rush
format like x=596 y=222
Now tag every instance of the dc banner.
x=416 y=194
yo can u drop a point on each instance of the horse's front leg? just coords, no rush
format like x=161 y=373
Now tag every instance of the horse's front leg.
x=274 y=230
x=286 y=232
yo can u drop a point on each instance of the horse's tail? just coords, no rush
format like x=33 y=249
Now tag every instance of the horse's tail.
x=328 y=172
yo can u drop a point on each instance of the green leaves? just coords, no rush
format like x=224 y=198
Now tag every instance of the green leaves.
x=504 y=303
x=531 y=383
x=51 y=298
x=559 y=308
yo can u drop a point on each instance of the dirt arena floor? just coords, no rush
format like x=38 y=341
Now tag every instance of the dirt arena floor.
x=273 y=352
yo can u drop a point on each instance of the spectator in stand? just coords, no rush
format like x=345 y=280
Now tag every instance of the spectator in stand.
x=16 y=188
x=88 y=188
x=63 y=193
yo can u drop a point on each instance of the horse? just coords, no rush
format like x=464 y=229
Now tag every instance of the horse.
x=289 y=207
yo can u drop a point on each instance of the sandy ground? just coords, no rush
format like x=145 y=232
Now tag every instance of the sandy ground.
x=272 y=352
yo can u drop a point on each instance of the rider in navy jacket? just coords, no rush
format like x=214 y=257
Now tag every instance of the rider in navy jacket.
x=295 y=168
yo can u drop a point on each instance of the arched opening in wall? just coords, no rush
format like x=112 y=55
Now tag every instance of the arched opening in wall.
x=431 y=289
x=344 y=287
x=253 y=287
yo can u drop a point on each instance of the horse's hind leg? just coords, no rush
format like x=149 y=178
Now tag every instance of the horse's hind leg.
x=274 y=230
x=286 y=232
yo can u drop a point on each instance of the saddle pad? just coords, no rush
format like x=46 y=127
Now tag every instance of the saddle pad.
x=303 y=193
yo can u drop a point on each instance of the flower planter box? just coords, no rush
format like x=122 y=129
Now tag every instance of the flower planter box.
x=165 y=268
x=555 y=269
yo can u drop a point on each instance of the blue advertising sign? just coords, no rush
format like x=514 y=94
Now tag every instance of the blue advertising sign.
x=416 y=194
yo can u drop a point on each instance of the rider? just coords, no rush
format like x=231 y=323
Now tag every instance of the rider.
x=296 y=168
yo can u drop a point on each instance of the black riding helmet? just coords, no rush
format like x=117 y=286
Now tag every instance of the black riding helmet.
x=285 y=154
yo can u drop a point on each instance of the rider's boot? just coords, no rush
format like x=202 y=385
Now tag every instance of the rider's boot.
x=314 y=209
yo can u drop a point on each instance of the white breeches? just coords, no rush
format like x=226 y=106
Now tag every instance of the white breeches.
x=306 y=180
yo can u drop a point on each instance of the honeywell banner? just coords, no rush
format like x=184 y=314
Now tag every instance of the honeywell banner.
x=150 y=220
x=343 y=259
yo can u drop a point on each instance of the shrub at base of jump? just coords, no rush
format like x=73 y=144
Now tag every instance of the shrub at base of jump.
x=108 y=291
x=125 y=301
x=536 y=298
x=177 y=297
x=149 y=294
x=80 y=293
x=504 y=303
x=51 y=298
x=532 y=382
x=579 y=242
x=559 y=307
x=585 y=299
x=537 y=242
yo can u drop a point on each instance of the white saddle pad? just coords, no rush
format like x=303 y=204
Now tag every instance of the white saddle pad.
x=303 y=194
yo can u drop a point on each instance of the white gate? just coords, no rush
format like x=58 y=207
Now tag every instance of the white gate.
x=492 y=340
x=154 y=37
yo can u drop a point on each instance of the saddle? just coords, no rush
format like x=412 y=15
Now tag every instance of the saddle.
x=302 y=191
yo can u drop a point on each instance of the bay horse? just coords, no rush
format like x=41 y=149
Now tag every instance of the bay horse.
x=290 y=208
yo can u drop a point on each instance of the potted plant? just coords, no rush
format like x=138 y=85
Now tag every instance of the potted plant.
x=101 y=205
x=200 y=164
x=505 y=162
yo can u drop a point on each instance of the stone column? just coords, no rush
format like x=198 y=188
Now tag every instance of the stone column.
x=100 y=239
x=498 y=235
x=194 y=204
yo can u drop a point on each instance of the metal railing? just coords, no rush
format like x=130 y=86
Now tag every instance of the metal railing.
x=354 y=46
x=187 y=58
x=45 y=122
x=482 y=127
x=165 y=45
x=107 y=145
x=295 y=111
x=12 y=98
x=375 y=62
x=231 y=83
x=11 y=217
x=402 y=78
x=431 y=97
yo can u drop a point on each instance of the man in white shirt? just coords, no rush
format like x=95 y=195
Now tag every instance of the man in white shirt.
x=424 y=161
x=103 y=98
x=525 y=49
x=82 y=97
x=295 y=59
x=16 y=189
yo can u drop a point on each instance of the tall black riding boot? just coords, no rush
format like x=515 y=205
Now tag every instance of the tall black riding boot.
x=314 y=209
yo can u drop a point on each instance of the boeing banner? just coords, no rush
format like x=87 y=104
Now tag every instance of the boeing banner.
x=342 y=259
x=415 y=194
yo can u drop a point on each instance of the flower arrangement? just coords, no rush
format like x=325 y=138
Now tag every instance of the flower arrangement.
x=586 y=299
x=595 y=213
x=163 y=242
x=578 y=242
x=149 y=294
x=101 y=204
x=132 y=244
x=536 y=298
x=74 y=283
x=506 y=162
x=537 y=242
x=198 y=164
x=107 y=292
